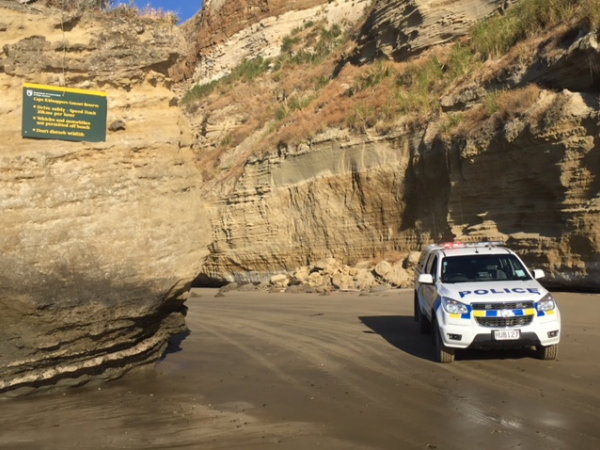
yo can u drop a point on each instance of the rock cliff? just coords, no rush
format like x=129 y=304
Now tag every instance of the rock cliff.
x=317 y=168
x=527 y=175
x=226 y=32
x=100 y=241
x=399 y=29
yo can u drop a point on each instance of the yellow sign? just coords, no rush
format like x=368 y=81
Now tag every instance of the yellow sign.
x=51 y=112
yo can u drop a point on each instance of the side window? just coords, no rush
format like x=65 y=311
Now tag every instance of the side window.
x=432 y=266
x=422 y=258
x=426 y=262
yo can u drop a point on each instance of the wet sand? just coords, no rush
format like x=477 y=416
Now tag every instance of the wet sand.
x=343 y=371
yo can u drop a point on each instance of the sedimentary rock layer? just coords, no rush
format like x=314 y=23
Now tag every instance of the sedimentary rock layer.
x=528 y=177
x=227 y=32
x=397 y=29
x=99 y=242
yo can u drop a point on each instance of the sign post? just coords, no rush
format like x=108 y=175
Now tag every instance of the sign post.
x=51 y=112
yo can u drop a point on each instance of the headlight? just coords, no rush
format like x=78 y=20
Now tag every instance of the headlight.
x=547 y=303
x=454 y=307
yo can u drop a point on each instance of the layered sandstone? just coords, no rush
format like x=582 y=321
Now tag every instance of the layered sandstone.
x=398 y=29
x=100 y=241
x=226 y=32
x=528 y=178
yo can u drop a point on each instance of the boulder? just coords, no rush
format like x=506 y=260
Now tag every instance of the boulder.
x=382 y=269
x=280 y=280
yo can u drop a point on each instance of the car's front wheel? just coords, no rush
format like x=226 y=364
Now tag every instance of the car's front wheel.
x=443 y=354
x=422 y=320
x=549 y=352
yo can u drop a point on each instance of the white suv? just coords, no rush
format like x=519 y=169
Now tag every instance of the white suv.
x=482 y=296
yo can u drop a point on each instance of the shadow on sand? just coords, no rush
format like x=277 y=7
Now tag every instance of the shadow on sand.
x=403 y=333
x=174 y=345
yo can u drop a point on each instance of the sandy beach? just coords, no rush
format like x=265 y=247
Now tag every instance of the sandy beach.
x=341 y=371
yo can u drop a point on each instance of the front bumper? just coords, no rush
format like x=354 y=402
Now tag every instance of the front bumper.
x=466 y=333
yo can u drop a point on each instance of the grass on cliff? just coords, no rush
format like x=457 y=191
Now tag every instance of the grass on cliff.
x=316 y=46
x=496 y=36
x=496 y=109
x=292 y=98
x=120 y=10
x=309 y=45
x=247 y=71
x=73 y=5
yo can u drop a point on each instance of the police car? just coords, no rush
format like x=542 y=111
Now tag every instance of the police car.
x=481 y=295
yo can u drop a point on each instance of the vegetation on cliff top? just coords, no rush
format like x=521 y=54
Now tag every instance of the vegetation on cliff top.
x=122 y=10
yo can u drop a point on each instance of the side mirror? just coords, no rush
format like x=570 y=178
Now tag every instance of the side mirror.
x=425 y=278
x=538 y=273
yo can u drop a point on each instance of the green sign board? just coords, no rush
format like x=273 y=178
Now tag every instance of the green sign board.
x=51 y=112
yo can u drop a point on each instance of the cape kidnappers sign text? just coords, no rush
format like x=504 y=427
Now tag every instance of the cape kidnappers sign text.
x=52 y=112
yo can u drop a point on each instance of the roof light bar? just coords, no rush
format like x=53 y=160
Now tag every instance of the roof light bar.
x=471 y=244
x=452 y=245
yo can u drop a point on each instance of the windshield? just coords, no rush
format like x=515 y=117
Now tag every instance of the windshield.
x=460 y=269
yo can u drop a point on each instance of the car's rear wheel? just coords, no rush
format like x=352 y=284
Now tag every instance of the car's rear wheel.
x=422 y=320
x=443 y=354
x=549 y=352
x=416 y=308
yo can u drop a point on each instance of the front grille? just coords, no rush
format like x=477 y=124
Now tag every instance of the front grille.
x=498 y=306
x=504 y=322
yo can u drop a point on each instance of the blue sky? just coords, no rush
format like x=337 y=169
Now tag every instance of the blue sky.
x=185 y=9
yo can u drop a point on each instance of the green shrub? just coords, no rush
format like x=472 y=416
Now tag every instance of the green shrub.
x=322 y=42
x=299 y=103
x=200 y=91
x=281 y=113
x=490 y=102
x=331 y=34
x=249 y=69
x=460 y=62
x=303 y=57
x=412 y=102
x=288 y=43
x=375 y=75
x=497 y=35
x=362 y=117
x=451 y=122
x=322 y=82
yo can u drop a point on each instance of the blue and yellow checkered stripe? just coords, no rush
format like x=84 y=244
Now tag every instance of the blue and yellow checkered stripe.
x=498 y=312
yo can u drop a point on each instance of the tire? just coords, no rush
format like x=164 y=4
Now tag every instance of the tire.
x=416 y=308
x=422 y=320
x=442 y=354
x=547 y=353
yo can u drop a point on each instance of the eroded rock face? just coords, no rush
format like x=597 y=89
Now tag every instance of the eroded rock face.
x=100 y=242
x=544 y=174
x=530 y=179
x=339 y=197
x=227 y=32
x=222 y=19
x=397 y=29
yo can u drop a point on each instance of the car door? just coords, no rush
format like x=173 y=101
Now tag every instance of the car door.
x=429 y=293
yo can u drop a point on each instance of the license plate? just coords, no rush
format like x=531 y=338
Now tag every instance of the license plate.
x=507 y=335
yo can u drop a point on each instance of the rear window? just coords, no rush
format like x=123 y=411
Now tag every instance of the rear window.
x=469 y=268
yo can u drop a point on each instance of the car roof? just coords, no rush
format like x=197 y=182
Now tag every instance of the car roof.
x=471 y=248
x=475 y=251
